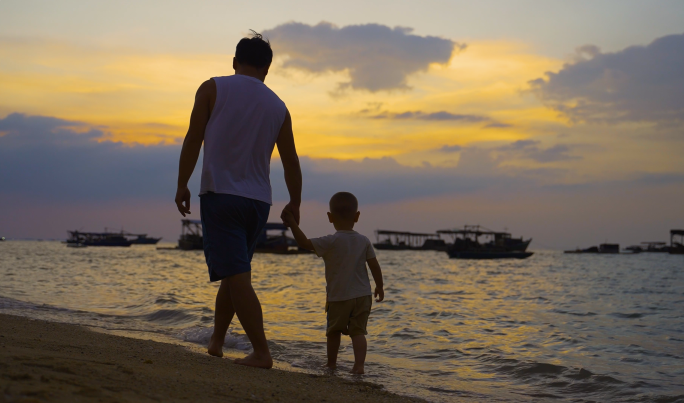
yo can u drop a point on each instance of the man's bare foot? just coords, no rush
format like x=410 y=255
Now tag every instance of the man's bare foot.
x=215 y=348
x=331 y=366
x=258 y=361
x=357 y=370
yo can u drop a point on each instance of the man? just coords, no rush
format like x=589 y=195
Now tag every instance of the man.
x=240 y=120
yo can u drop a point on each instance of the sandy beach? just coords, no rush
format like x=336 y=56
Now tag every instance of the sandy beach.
x=43 y=361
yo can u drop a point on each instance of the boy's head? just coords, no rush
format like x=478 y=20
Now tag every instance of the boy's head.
x=254 y=53
x=344 y=210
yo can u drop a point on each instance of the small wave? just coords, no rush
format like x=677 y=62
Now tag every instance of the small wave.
x=573 y=313
x=166 y=301
x=628 y=315
x=169 y=317
x=202 y=335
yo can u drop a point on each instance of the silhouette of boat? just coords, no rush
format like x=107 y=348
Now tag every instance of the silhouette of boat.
x=2 y=239
x=191 y=239
x=191 y=235
x=677 y=247
x=655 y=247
x=604 y=248
x=278 y=243
x=98 y=239
x=400 y=240
x=143 y=239
x=498 y=245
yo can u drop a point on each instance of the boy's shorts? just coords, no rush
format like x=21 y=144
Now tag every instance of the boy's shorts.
x=349 y=317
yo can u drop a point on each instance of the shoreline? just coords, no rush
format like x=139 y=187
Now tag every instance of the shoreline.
x=44 y=361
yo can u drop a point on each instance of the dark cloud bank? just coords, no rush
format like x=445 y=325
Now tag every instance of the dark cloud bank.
x=51 y=159
x=377 y=57
x=639 y=83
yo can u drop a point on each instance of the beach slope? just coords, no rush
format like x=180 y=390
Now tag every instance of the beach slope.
x=53 y=362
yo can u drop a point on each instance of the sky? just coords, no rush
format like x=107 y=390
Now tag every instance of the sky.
x=557 y=120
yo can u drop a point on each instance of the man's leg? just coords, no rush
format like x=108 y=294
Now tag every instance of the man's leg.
x=360 y=346
x=333 y=348
x=248 y=310
x=223 y=315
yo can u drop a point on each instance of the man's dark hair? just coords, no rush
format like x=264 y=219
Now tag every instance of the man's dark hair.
x=344 y=205
x=255 y=51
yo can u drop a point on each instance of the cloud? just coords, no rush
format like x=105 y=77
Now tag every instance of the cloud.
x=531 y=150
x=450 y=149
x=60 y=160
x=56 y=159
x=638 y=84
x=441 y=116
x=376 y=56
x=433 y=116
x=498 y=125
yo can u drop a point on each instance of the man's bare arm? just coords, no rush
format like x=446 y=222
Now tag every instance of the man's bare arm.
x=201 y=111
x=293 y=172
x=374 y=267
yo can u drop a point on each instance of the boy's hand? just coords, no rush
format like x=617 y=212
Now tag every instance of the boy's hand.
x=288 y=218
x=379 y=294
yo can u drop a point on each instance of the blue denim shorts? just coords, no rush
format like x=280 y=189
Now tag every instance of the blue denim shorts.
x=231 y=227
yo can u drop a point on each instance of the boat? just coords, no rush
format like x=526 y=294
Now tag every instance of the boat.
x=191 y=235
x=401 y=240
x=98 y=238
x=635 y=249
x=191 y=239
x=2 y=239
x=604 y=248
x=76 y=245
x=278 y=243
x=655 y=247
x=498 y=245
x=143 y=239
x=676 y=247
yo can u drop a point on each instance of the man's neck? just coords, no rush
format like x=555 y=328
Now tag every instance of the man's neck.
x=256 y=74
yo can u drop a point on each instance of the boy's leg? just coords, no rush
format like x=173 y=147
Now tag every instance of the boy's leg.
x=248 y=310
x=223 y=315
x=360 y=347
x=333 y=348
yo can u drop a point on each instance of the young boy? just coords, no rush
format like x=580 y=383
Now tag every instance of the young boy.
x=349 y=295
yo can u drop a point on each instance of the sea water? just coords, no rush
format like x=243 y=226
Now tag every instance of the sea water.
x=553 y=327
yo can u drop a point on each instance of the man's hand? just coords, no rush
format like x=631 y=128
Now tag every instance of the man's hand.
x=379 y=294
x=293 y=209
x=183 y=200
x=288 y=218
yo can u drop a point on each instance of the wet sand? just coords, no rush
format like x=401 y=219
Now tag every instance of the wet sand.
x=52 y=362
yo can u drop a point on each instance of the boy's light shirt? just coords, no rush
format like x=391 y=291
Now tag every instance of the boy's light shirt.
x=345 y=254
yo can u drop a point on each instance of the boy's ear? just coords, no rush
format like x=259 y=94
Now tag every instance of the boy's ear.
x=330 y=217
x=356 y=219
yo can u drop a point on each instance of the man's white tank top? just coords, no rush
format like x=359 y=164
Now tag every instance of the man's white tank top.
x=239 y=138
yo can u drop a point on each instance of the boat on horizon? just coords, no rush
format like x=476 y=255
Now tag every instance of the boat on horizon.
x=498 y=244
x=402 y=240
x=192 y=239
x=604 y=248
x=677 y=248
x=143 y=239
x=97 y=239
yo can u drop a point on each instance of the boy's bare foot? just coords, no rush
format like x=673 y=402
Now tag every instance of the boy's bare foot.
x=357 y=370
x=215 y=348
x=253 y=360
